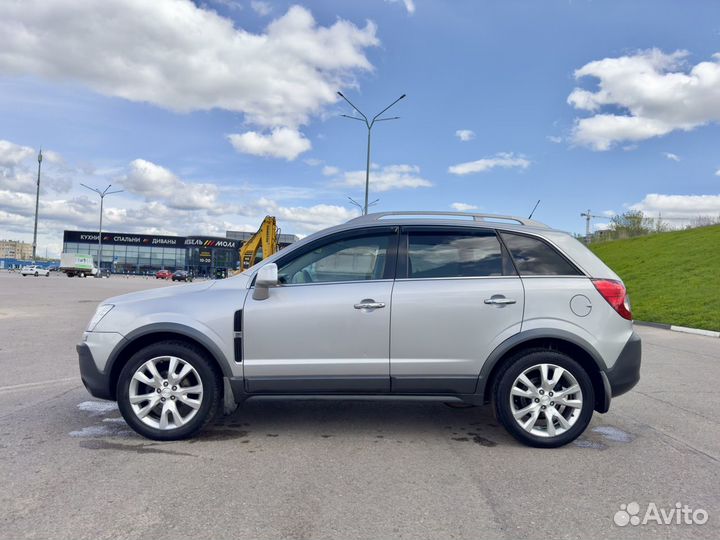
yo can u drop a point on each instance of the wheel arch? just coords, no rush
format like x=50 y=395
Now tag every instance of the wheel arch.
x=557 y=340
x=154 y=333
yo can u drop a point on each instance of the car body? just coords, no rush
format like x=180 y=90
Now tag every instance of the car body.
x=33 y=270
x=163 y=274
x=485 y=309
x=181 y=275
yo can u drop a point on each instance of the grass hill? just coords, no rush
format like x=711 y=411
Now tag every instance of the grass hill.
x=672 y=277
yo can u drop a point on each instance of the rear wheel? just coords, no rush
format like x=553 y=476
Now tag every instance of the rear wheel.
x=544 y=398
x=168 y=391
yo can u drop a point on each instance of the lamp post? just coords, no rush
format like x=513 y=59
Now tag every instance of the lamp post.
x=37 y=206
x=369 y=124
x=102 y=194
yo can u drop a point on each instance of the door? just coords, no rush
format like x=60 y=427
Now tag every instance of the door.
x=456 y=298
x=326 y=328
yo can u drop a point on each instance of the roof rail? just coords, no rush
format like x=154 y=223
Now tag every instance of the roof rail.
x=377 y=216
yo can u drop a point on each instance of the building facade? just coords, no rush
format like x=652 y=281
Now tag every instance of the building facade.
x=14 y=249
x=126 y=253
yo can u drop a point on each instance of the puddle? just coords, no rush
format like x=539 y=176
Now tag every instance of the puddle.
x=477 y=439
x=99 y=444
x=613 y=434
x=587 y=443
x=97 y=408
x=110 y=430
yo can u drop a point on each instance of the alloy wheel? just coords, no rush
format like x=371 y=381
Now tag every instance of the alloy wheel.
x=165 y=392
x=546 y=400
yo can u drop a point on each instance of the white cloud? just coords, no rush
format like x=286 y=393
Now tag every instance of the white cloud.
x=283 y=142
x=18 y=170
x=12 y=154
x=655 y=91
x=671 y=156
x=261 y=8
x=156 y=183
x=463 y=207
x=329 y=170
x=313 y=162
x=386 y=178
x=554 y=139
x=310 y=219
x=679 y=206
x=717 y=173
x=465 y=134
x=502 y=160
x=184 y=57
x=409 y=5
x=609 y=213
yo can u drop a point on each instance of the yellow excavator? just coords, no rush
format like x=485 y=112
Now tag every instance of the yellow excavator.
x=265 y=240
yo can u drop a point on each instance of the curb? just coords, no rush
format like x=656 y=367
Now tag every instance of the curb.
x=684 y=329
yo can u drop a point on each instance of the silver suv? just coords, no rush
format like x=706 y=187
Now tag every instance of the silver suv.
x=474 y=308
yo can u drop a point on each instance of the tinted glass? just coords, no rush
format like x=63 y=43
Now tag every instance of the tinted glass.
x=440 y=255
x=352 y=259
x=534 y=257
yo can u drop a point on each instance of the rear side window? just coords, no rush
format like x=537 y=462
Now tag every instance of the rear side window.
x=534 y=257
x=447 y=255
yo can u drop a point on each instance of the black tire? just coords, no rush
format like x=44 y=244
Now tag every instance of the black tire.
x=36 y=274
x=210 y=379
x=517 y=365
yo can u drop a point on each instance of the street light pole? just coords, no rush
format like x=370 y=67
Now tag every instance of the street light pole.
x=369 y=124
x=37 y=206
x=102 y=194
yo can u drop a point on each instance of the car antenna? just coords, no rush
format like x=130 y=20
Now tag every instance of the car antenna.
x=533 y=210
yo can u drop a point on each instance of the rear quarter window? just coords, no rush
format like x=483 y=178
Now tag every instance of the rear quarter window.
x=534 y=257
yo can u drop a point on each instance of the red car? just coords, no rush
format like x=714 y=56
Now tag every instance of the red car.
x=163 y=274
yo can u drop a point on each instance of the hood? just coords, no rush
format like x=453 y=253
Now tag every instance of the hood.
x=162 y=292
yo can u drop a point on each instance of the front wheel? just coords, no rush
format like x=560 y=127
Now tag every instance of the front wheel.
x=544 y=398
x=168 y=391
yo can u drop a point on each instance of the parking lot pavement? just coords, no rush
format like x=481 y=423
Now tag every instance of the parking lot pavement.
x=71 y=468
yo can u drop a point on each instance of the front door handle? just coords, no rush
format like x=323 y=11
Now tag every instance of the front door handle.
x=369 y=303
x=499 y=301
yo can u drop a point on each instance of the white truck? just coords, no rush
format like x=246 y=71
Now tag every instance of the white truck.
x=77 y=264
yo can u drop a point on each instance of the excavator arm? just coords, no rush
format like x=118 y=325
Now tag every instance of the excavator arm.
x=266 y=238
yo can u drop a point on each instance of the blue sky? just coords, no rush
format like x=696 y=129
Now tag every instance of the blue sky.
x=155 y=108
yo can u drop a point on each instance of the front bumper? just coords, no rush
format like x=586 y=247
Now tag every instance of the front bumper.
x=96 y=382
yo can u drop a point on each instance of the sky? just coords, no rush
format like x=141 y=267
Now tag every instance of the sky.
x=211 y=114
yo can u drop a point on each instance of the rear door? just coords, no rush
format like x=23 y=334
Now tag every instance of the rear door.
x=457 y=296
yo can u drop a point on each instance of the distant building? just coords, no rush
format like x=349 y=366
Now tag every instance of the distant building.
x=284 y=240
x=15 y=249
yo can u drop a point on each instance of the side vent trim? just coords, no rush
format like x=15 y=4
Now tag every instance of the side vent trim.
x=237 y=334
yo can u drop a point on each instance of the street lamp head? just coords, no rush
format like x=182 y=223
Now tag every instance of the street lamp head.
x=401 y=97
x=340 y=94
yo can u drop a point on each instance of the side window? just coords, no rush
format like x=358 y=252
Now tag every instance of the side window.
x=534 y=257
x=352 y=259
x=442 y=255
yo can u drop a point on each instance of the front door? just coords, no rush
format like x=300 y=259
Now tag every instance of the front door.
x=326 y=328
x=456 y=298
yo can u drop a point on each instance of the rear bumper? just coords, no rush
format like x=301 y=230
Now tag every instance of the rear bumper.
x=625 y=373
x=96 y=382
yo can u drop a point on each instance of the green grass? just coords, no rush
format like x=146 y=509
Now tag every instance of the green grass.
x=672 y=277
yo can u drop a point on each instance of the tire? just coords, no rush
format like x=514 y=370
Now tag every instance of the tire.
x=82 y=274
x=568 y=420
x=36 y=274
x=189 y=420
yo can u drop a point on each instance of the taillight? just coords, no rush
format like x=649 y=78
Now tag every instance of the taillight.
x=616 y=295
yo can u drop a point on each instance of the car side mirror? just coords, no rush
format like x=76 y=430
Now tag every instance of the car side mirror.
x=266 y=277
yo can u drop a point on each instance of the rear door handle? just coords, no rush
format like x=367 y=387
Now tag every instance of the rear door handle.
x=369 y=303
x=499 y=301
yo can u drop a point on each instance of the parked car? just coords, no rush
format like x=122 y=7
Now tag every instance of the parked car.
x=181 y=275
x=33 y=270
x=485 y=310
x=163 y=274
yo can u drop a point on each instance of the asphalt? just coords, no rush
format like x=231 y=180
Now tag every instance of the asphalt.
x=71 y=468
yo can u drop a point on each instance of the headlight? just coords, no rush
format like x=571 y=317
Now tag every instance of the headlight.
x=99 y=314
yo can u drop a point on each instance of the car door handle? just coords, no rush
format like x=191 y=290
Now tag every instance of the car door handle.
x=369 y=303
x=500 y=301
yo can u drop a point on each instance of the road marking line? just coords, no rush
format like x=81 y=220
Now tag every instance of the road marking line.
x=39 y=383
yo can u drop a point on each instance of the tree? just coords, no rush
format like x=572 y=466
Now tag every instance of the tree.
x=632 y=223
